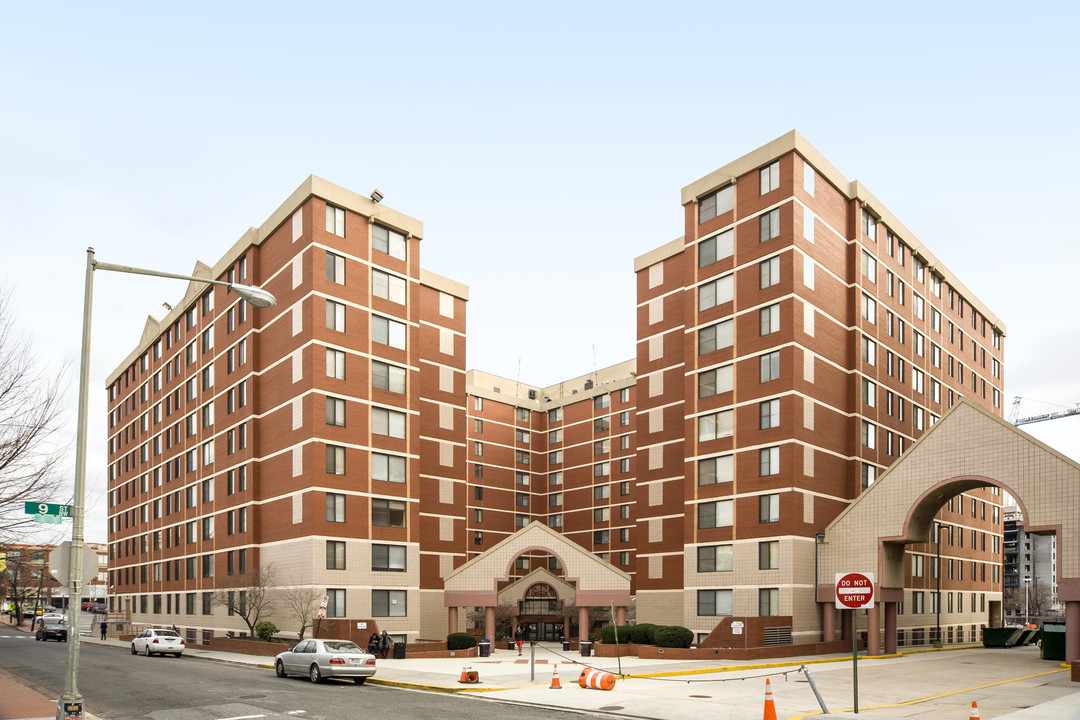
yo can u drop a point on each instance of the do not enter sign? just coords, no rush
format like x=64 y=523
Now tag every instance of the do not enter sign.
x=854 y=591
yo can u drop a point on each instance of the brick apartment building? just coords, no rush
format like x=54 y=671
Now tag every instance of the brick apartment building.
x=790 y=346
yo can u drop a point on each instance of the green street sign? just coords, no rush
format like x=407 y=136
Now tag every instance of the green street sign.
x=33 y=508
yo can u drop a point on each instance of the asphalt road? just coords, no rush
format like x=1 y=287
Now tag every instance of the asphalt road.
x=118 y=685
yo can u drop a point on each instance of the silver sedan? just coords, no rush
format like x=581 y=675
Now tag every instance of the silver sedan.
x=321 y=659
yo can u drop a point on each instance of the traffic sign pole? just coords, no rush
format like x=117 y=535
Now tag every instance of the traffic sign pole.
x=855 y=661
x=854 y=592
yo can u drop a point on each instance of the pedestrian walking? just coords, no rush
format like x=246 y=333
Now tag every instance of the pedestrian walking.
x=519 y=638
x=104 y=626
x=385 y=643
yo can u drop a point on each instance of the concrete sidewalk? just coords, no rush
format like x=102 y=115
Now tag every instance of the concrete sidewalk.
x=685 y=690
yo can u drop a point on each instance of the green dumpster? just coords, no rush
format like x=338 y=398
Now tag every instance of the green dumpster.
x=995 y=637
x=1053 y=641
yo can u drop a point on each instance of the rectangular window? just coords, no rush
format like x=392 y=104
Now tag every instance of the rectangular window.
x=716 y=381
x=335 y=460
x=769 y=508
x=387 y=513
x=335 y=604
x=769 y=414
x=388 y=468
x=769 y=555
x=390 y=287
x=717 y=513
x=335 y=268
x=335 y=412
x=716 y=248
x=769 y=319
x=335 y=316
x=387 y=422
x=769 y=272
x=717 y=203
x=869 y=225
x=869 y=267
x=714 y=558
x=335 y=507
x=768 y=601
x=335 y=555
x=390 y=558
x=770 y=366
x=770 y=177
x=714 y=602
x=715 y=470
x=388 y=332
x=869 y=435
x=335 y=220
x=769 y=461
x=388 y=241
x=335 y=364
x=716 y=337
x=769 y=225
x=385 y=376
x=716 y=292
x=716 y=425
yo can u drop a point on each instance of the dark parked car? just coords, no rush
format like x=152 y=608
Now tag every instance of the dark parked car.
x=52 y=627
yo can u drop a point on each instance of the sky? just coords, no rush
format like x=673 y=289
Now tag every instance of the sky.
x=543 y=146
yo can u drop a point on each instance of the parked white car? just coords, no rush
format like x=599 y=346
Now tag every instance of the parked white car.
x=321 y=659
x=158 y=641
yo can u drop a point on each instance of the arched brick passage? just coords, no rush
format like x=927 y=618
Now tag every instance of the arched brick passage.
x=968 y=448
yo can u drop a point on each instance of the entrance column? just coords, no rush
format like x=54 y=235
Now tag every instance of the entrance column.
x=828 y=622
x=620 y=615
x=451 y=619
x=489 y=622
x=583 y=624
x=873 y=630
x=890 y=628
x=1072 y=630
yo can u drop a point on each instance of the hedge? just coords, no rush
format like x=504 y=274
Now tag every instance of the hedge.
x=673 y=636
x=460 y=641
x=643 y=633
x=607 y=634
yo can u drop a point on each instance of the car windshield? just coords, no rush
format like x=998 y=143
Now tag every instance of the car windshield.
x=342 y=647
x=166 y=633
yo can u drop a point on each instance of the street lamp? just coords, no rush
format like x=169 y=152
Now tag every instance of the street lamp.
x=71 y=702
x=1027 y=587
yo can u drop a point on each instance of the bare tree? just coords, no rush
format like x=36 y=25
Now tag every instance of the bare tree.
x=1036 y=602
x=24 y=578
x=31 y=460
x=247 y=594
x=504 y=617
x=302 y=603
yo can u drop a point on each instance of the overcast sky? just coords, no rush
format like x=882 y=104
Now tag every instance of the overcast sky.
x=543 y=146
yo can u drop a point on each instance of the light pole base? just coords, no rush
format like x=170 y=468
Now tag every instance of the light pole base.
x=69 y=709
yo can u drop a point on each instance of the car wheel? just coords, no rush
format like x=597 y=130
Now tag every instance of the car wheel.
x=359 y=681
x=314 y=674
x=176 y=655
x=279 y=669
x=133 y=650
x=146 y=650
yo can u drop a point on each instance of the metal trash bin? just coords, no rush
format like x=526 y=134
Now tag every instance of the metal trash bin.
x=399 y=650
x=565 y=645
x=586 y=649
x=485 y=648
x=510 y=644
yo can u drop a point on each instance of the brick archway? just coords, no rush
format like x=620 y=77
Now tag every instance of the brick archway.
x=968 y=448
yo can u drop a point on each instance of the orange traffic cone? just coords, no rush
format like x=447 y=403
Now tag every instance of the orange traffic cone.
x=770 y=709
x=974 y=711
x=555 y=684
x=464 y=675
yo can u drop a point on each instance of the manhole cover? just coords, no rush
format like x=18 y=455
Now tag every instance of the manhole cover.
x=250 y=697
x=611 y=707
x=707 y=697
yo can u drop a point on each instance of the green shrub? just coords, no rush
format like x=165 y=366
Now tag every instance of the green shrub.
x=643 y=633
x=607 y=634
x=265 y=630
x=673 y=636
x=460 y=641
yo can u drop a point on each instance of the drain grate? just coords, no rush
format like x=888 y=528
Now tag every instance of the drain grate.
x=611 y=707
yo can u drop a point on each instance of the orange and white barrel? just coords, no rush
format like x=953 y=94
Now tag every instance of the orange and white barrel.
x=591 y=678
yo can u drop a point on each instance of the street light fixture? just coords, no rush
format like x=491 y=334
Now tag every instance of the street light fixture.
x=70 y=705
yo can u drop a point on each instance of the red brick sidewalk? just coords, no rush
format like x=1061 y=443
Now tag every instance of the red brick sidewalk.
x=19 y=701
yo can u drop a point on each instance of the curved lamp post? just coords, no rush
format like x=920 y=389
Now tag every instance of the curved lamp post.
x=71 y=702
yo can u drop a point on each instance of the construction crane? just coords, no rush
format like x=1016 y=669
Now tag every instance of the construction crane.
x=1039 y=418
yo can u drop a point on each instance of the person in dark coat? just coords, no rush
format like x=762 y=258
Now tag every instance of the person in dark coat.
x=373 y=644
x=385 y=643
x=104 y=627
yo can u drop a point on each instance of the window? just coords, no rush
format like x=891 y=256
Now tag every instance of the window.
x=335 y=316
x=390 y=287
x=869 y=267
x=869 y=225
x=869 y=309
x=602 y=469
x=335 y=507
x=335 y=268
x=388 y=468
x=601 y=514
x=769 y=272
x=770 y=366
x=521 y=499
x=335 y=555
x=869 y=474
x=770 y=177
x=335 y=412
x=769 y=319
x=387 y=422
x=715 y=337
x=387 y=513
x=717 y=203
x=769 y=508
x=769 y=414
x=387 y=377
x=769 y=555
x=869 y=392
x=716 y=381
x=335 y=220
x=601 y=401
x=716 y=248
x=716 y=425
x=388 y=241
x=768 y=601
x=714 y=602
x=335 y=460
x=716 y=292
x=769 y=461
x=388 y=332
x=869 y=350
x=335 y=604
x=388 y=558
x=715 y=470
x=335 y=364
x=717 y=513
x=769 y=225
x=869 y=434
x=714 y=558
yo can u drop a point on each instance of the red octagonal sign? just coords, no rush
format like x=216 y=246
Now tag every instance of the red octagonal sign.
x=854 y=591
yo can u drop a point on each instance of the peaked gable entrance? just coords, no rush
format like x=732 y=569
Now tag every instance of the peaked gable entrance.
x=968 y=448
